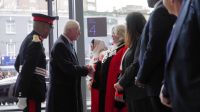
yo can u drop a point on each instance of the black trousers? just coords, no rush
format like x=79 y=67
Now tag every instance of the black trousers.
x=140 y=105
x=157 y=106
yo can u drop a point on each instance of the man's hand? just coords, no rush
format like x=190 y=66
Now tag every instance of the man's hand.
x=165 y=101
x=22 y=103
x=91 y=70
x=118 y=87
x=138 y=83
x=89 y=85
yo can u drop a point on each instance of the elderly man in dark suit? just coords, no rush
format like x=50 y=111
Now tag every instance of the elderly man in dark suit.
x=65 y=73
x=152 y=53
x=182 y=80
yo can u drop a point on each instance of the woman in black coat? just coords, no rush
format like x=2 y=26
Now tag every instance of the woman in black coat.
x=135 y=97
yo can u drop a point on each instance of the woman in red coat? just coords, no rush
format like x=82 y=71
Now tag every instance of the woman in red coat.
x=111 y=71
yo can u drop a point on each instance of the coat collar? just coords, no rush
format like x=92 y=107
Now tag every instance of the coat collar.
x=66 y=41
x=158 y=4
x=66 y=38
x=177 y=29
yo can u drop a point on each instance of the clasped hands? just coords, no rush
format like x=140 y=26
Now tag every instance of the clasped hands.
x=118 y=87
x=91 y=70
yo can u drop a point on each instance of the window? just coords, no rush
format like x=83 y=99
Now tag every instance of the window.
x=29 y=27
x=91 y=0
x=10 y=26
x=32 y=9
x=10 y=48
x=65 y=3
x=91 y=7
x=1 y=3
x=32 y=1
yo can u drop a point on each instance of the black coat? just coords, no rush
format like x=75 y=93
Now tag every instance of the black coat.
x=135 y=97
x=65 y=79
x=183 y=59
x=31 y=58
x=152 y=52
x=130 y=68
x=97 y=75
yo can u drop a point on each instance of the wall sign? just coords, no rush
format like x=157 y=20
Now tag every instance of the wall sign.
x=97 y=27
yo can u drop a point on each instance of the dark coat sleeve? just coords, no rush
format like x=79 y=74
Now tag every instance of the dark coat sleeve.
x=32 y=57
x=62 y=57
x=159 y=29
x=197 y=8
x=128 y=77
x=17 y=63
x=165 y=91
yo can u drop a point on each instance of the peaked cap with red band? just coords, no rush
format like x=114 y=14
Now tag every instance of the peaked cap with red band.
x=43 y=18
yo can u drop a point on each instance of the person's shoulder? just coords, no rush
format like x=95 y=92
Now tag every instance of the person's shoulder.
x=159 y=13
x=61 y=43
x=36 y=38
x=160 y=10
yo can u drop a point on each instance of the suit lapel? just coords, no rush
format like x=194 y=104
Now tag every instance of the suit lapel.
x=177 y=29
x=72 y=50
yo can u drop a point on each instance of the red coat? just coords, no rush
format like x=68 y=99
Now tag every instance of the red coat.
x=95 y=88
x=94 y=100
x=113 y=73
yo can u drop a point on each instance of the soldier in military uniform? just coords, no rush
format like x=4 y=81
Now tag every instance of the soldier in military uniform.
x=30 y=87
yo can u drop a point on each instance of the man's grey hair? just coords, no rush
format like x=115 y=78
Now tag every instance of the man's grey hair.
x=71 y=24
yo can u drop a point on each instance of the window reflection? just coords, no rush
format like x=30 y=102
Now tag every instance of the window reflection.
x=10 y=48
x=10 y=26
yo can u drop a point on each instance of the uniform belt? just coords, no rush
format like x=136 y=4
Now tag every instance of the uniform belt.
x=38 y=71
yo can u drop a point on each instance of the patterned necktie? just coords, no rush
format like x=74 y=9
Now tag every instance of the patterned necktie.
x=72 y=47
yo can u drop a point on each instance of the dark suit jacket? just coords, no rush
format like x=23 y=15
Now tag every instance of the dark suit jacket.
x=65 y=79
x=183 y=60
x=130 y=68
x=152 y=51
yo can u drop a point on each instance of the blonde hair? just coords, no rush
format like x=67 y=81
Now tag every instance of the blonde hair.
x=70 y=25
x=119 y=30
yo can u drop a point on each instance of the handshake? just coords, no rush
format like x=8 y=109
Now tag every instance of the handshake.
x=91 y=70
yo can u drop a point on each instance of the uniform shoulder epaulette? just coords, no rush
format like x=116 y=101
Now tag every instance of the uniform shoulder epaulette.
x=36 y=38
